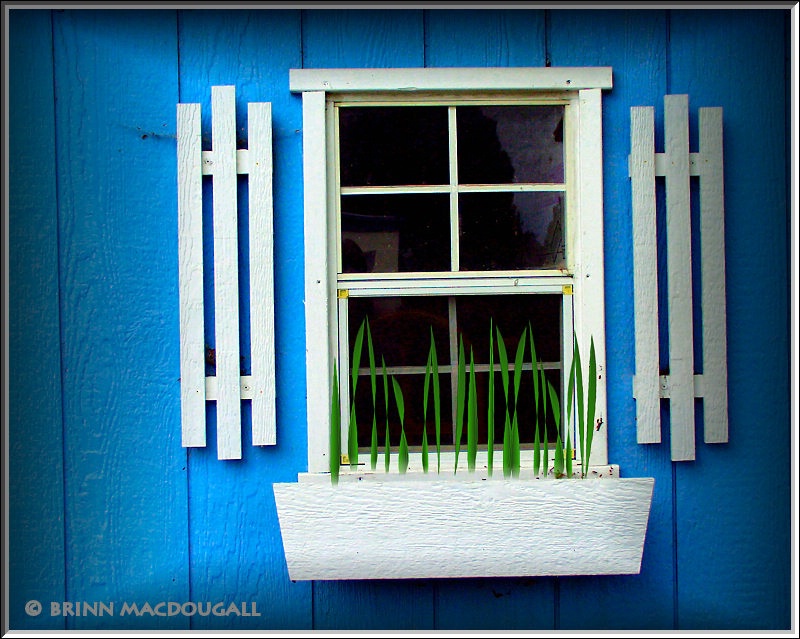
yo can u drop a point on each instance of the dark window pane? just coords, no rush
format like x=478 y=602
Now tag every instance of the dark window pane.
x=380 y=146
x=510 y=144
x=511 y=314
x=413 y=394
x=510 y=231
x=401 y=328
x=395 y=233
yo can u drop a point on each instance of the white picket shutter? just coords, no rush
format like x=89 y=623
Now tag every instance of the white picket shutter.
x=228 y=387
x=681 y=386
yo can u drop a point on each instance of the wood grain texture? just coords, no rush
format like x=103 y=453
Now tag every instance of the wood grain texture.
x=633 y=43
x=125 y=471
x=679 y=278
x=262 y=285
x=645 y=275
x=236 y=552
x=733 y=517
x=405 y=530
x=35 y=533
x=712 y=234
x=226 y=272
x=190 y=277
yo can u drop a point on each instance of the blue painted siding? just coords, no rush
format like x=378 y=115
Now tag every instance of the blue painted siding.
x=106 y=506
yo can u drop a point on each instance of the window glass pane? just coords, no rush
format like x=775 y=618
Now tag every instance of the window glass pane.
x=509 y=231
x=395 y=233
x=510 y=144
x=511 y=314
x=381 y=146
x=401 y=333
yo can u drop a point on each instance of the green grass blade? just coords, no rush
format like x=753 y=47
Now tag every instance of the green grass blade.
x=559 y=452
x=507 y=449
x=590 y=403
x=460 y=396
x=373 y=378
x=386 y=446
x=490 y=401
x=518 y=366
x=537 y=451
x=546 y=450
x=515 y=447
x=501 y=351
x=472 y=416
x=402 y=453
x=335 y=435
x=535 y=375
x=579 y=401
x=424 y=450
x=425 y=415
x=352 y=430
x=437 y=407
x=570 y=399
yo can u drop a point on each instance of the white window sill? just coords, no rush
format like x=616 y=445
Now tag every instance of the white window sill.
x=390 y=526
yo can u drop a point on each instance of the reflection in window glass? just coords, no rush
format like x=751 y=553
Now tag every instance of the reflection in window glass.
x=395 y=233
x=509 y=231
x=382 y=146
x=510 y=144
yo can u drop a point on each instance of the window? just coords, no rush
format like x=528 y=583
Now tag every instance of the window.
x=472 y=200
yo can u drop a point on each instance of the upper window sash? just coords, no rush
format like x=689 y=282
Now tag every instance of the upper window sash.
x=450 y=79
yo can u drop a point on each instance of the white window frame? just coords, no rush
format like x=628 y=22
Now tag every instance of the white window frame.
x=582 y=88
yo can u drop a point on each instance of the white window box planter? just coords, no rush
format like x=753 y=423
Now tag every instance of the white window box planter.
x=424 y=526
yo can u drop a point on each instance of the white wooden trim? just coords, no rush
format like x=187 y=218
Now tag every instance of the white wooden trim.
x=712 y=225
x=645 y=275
x=423 y=528
x=444 y=79
x=262 y=288
x=679 y=277
x=190 y=277
x=317 y=293
x=226 y=273
x=455 y=239
x=589 y=281
x=245 y=387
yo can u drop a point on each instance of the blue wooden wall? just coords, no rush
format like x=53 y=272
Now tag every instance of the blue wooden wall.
x=106 y=506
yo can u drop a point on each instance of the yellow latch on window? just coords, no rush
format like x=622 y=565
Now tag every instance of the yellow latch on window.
x=567 y=289
x=343 y=294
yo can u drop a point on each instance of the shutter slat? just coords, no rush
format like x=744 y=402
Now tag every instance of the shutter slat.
x=679 y=277
x=190 y=276
x=262 y=322
x=226 y=273
x=645 y=272
x=712 y=232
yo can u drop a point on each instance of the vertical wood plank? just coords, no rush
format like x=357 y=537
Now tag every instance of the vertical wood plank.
x=226 y=273
x=489 y=38
x=712 y=233
x=126 y=513
x=236 y=550
x=590 y=270
x=262 y=286
x=35 y=444
x=319 y=368
x=679 y=277
x=733 y=514
x=645 y=275
x=634 y=44
x=190 y=276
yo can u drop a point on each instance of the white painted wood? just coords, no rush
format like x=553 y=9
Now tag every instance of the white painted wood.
x=242 y=162
x=262 y=288
x=589 y=278
x=245 y=387
x=452 y=145
x=461 y=528
x=679 y=277
x=661 y=161
x=712 y=231
x=317 y=289
x=226 y=273
x=443 y=79
x=190 y=277
x=645 y=275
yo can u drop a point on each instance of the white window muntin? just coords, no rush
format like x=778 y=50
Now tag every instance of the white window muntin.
x=586 y=234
